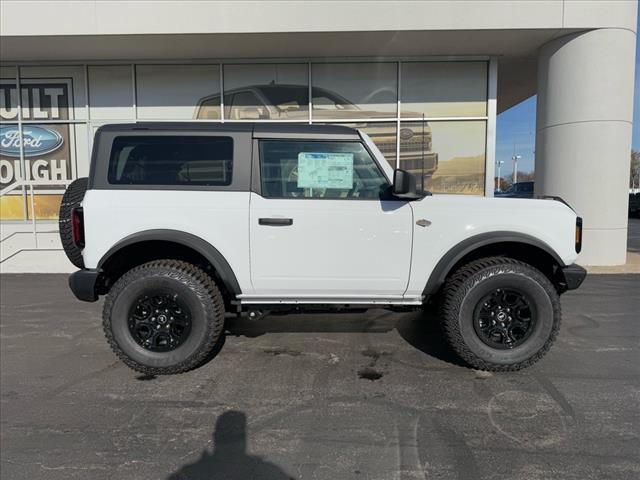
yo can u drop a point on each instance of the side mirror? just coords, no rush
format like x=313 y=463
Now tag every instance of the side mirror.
x=404 y=185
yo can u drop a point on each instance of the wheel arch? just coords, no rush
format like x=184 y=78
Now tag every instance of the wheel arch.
x=512 y=244
x=148 y=245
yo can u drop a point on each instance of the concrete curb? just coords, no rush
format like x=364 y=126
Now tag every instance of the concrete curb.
x=632 y=266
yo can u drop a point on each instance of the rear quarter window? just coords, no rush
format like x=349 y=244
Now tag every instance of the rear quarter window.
x=171 y=160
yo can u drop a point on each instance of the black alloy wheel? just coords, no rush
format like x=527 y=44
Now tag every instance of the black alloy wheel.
x=499 y=313
x=164 y=317
x=504 y=318
x=159 y=321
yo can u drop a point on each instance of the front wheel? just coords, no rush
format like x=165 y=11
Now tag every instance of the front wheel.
x=164 y=317
x=500 y=314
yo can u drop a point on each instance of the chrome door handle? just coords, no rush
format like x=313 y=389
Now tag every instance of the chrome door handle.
x=276 y=222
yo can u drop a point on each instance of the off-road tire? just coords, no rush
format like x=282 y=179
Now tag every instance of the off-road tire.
x=70 y=200
x=207 y=316
x=468 y=284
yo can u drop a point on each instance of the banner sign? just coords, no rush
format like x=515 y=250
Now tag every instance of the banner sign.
x=48 y=148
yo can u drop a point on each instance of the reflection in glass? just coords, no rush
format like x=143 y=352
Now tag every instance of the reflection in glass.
x=266 y=92
x=110 y=92
x=445 y=157
x=49 y=157
x=68 y=78
x=173 y=91
x=416 y=151
x=42 y=99
x=354 y=90
x=208 y=108
x=444 y=89
x=383 y=134
x=7 y=72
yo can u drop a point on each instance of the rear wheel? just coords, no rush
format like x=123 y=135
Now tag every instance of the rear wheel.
x=500 y=314
x=164 y=317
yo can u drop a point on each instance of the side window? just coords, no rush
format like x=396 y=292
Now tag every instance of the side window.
x=246 y=106
x=317 y=169
x=171 y=160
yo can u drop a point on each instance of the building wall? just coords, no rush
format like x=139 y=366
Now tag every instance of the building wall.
x=96 y=17
x=60 y=44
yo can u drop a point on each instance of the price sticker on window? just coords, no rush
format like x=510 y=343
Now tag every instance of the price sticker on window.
x=325 y=170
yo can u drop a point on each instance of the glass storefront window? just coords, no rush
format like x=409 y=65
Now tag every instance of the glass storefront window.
x=444 y=89
x=111 y=92
x=49 y=158
x=177 y=91
x=354 y=90
x=7 y=72
x=8 y=95
x=43 y=98
x=445 y=157
x=383 y=134
x=266 y=92
x=12 y=205
x=63 y=87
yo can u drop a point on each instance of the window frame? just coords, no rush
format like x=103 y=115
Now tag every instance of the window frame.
x=241 y=167
x=256 y=183
x=112 y=175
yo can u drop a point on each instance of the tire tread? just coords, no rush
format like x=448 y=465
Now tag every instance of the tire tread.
x=457 y=287
x=200 y=283
x=71 y=199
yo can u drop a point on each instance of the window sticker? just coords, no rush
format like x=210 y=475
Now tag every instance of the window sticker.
x=325 y=170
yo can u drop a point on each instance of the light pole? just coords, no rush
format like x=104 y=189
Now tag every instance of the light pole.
x=499 y=164
x=515 y=159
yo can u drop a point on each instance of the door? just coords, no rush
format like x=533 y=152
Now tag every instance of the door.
x=323 y=224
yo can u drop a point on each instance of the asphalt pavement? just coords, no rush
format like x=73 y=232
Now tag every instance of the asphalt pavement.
x=349 y=396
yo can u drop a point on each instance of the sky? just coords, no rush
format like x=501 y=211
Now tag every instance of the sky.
x=516 y=128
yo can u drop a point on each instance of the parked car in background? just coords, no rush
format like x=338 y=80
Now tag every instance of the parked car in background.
x=634 y=204
x=518 y=190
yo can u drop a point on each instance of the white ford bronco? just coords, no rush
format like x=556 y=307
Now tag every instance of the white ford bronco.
x=179 y=223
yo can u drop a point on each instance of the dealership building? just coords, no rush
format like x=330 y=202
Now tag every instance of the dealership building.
x=425 y=80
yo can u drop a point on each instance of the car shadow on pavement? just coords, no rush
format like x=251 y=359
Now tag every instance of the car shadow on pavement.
x=229 y=458
x=422 y=331
x=419 y=329
x=374 y=321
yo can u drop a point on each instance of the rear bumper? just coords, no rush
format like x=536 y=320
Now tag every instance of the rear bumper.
x=573 y=275
x=83 y=285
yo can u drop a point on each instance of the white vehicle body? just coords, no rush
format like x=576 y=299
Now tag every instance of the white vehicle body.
x=178 y=224
x=336 y=251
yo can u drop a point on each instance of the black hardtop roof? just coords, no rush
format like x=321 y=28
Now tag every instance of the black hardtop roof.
x=258 y=129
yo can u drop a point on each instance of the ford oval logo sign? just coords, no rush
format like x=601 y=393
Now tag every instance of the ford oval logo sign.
x=36 y=141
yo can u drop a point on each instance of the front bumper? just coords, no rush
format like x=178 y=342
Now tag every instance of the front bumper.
x=83 y=285
x=573 y=276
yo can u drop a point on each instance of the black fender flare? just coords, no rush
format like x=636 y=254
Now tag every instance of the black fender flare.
x=460 y=250
x=189 y=240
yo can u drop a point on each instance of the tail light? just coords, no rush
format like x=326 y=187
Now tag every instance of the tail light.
x=578 y=234
x=77 y=226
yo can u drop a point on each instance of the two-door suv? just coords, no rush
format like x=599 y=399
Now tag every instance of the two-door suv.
x=179 y=223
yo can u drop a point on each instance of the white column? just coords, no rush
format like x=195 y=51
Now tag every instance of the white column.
x=583 y=134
